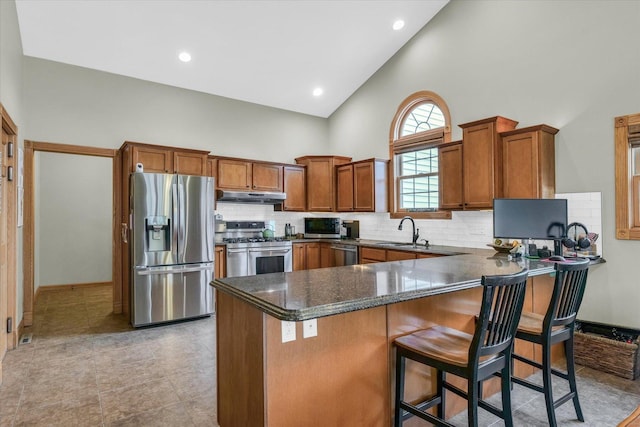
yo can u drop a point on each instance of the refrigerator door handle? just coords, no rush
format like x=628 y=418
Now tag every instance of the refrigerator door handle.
x=201 y=267
x=176 y=203
x=146 y=271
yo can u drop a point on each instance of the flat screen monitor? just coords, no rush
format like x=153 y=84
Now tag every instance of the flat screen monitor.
x=541 y=219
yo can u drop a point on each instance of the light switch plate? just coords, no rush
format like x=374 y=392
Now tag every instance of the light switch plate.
x=288 y=331
x=310 y=328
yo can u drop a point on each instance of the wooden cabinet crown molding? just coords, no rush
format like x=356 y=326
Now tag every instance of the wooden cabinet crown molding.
x=162 y=147
x=502 y=123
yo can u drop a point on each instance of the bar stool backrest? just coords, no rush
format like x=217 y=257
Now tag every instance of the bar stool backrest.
x=568 y=290
x=502 y=301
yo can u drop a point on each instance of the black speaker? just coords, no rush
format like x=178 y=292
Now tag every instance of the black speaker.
x=575 y=239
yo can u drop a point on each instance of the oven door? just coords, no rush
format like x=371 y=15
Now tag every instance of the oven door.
x=270 y=260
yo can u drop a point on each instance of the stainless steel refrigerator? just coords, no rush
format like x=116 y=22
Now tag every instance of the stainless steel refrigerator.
x=172 y=247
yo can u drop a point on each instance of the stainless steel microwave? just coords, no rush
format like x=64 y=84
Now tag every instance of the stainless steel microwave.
x=322 y=228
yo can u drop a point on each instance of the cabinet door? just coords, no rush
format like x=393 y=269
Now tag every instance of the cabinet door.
x=529 y=163
x=221 y=262
x=294 y=187
x=234 y=174
x=299 y=256
x=400 y=255
x=344 y=186
x=152 y=159
x=326 y=255
x=320 y=191
x=312 y=254
x=187 y=163
x=364 y=187
x=450 y=167
x=520 y=161
x=267 y=177
x=478 y=166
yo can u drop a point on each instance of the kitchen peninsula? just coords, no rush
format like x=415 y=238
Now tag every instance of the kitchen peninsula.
x=342 y=375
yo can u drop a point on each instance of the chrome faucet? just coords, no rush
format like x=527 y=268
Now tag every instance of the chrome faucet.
x=415 y=232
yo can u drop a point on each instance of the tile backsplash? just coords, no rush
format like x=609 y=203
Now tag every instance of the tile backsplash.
x=466 y=228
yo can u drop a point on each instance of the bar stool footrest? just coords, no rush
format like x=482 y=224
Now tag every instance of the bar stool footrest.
x=481 y=403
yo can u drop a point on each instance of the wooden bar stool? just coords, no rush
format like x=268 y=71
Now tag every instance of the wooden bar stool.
x=473 y=357
x=556 y=326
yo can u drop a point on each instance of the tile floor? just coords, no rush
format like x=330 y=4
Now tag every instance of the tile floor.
x=87 y=367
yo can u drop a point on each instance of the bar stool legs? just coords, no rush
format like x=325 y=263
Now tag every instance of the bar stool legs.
x=472 y=357
x=556 y=326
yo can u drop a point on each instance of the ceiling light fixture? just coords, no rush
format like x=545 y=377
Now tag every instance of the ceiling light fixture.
x=318 y=91
x=398 y=25
x=184 y=56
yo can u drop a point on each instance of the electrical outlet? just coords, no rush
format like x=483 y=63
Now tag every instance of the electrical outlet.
x=310 y=328
x=288 y=331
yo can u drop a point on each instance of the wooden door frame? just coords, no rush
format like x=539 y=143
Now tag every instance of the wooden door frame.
x=10 y=128
x=30 y=147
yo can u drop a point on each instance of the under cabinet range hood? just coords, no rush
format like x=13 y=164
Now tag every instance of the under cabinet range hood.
x=264 y=197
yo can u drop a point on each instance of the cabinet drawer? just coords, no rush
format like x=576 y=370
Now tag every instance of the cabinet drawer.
x=429 y=255
x=373 y=254
x=400 y=255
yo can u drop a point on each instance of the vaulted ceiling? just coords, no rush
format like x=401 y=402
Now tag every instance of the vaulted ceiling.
x=273 y=53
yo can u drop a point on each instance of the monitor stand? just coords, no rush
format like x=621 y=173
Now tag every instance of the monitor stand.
x=557 y=247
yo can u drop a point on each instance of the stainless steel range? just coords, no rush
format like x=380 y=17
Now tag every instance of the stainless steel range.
x=250 y=253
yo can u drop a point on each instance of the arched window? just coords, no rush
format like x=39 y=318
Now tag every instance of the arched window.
x=420 y=125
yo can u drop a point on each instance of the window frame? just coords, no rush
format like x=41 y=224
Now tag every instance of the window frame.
x=422 y=140
x=627 y=136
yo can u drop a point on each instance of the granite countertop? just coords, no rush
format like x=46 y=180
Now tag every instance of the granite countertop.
x=381 y=244
x=308 y=294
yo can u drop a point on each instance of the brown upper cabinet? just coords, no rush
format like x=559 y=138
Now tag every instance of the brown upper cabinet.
x=529 y=163
x=321 y=180
x=239 y=174
x=362 y=186
x=450 y=179
x=159 y=159
x=482 y=161
x=295 y=188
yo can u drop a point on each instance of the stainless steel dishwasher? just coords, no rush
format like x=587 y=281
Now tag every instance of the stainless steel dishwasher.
x=344 y=254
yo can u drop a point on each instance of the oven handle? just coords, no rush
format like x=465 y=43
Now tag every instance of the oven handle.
x=236 y=251
x=284 y=251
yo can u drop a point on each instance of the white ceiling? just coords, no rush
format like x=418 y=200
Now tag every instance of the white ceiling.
x=272 y=53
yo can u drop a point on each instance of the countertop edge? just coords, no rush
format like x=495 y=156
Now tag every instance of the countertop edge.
x=353 y=305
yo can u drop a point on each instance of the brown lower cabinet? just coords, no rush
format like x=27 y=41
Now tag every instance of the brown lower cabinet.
x=298 y=383
x=307 y=256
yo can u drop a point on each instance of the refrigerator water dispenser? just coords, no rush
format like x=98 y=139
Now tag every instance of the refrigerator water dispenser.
x=158 y=233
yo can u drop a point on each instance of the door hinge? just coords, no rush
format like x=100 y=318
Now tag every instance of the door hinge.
x=9 y=325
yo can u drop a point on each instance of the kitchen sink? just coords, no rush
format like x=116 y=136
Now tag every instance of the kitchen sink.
x=420 y=248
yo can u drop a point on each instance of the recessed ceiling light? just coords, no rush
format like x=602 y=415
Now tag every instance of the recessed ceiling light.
x=184 y=56
x=318 y=91
x=398 y=25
